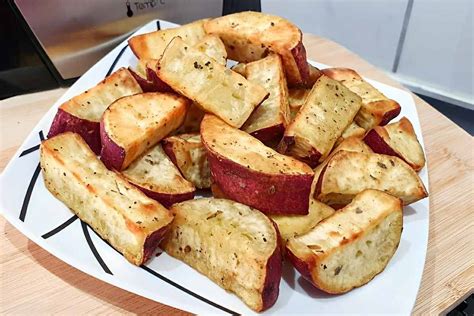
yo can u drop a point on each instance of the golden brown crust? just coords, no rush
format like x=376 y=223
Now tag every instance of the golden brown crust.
x=152 y=45
x=133 y=124
x=349 y=248
x=348 y=173
x=376 y=108
x=250 y=36
x=268 y=121
x=156 y=176
x=212 y=86
x=232 y=244
x=328 y=110
x=249 y=172
x=397 y=139
x=130 y=221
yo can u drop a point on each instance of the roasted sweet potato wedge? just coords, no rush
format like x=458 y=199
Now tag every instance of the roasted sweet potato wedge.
x=397 y=139
x=376 y=108
x=188 y=153
x=130 y=221
x=82 y=113
x=156 y=176
x=268 y=121
x=328 y=110
x=350 y=248
x=353 y=130
x=232 y=244
x=251 y=173
x=212 y=86
x=250 y=36
x=348 y=173
x=152 y=45
x=134 y=124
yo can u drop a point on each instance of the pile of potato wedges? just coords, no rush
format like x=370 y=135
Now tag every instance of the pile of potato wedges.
x=304 y=164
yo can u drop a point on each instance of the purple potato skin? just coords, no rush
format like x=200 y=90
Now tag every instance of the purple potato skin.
x=269 y=134
x=166 y=199
x=299 y=55
x=271 y=194
x=66 y=122
x=112 y=155
x=271 y=287
x=146 y=85
x=312 y=159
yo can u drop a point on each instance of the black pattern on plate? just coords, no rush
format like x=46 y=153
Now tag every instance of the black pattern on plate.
x=176 y=285
x=31 y=186
x=93 y=249
x=60 y=227
x=112 y=67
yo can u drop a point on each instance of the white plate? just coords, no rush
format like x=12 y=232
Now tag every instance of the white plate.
x=28 y=206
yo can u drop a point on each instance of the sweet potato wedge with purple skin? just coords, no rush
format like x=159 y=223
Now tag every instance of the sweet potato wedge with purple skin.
x=235 y=246
x=328 y=110
x=134 y=124
x=130 y=221
x=250 y=173
x=156 y=176
x=152 y=45
x=397 y=139
x=314 y=74
x=351 y=247
x=145 y=84
x=187 y=152
x=348 y=173
x=82 y=113
x=376 y=108
x=215 y=88
x=250 y=36
x=267 y=122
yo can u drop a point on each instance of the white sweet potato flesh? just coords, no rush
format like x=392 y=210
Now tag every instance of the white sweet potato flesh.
x=82 y=113
x=152 y=45
x=353 y=130
x=130 y=221
x=156 y=175
x=295 y=225
x=240 y=69
x=350 y=248
x=212 y=86
x=268 y=121
x=250 y=36
x=212 y=46
x=328 y=110
x=232 y=244
x=355 y=144
x=296 y=99
x=376 y=108
x=348 y=173
x=397 y=139
x=136 y=123
x=189 y=154
x=249 y=172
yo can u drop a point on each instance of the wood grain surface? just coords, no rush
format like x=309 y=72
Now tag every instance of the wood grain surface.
x=35 y=282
